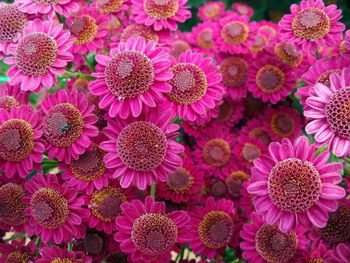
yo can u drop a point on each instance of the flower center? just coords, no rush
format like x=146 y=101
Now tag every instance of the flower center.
x=261 y=135
x=338 y=113
x=288 y=55
x=107 y=6
x=11 y=204
x=242 y=10
x=226 y=110
x=142 y=146
x=180 y=181
x=211 y=10
x=105 y=203
x=90 y=165
x=35 y=53
x=63 y=260
x=275 y=246
x=234 y=183
x=49 y=208
x=311 y=23
x=270 y=79
x=81 y=85
x=16 y=140
x=235 y=32
x=189 y=84
x=12 y=22
x=83 y=29
x=138 y=30
x=324 y=78
x=282 y=124
x=294 y=185
x=216 y=229
x=7 y=102
x=250 y=152
x=216 y=152
x=154 y=234
x=93 y=243
x=17 y=257
x=63 y=125
x=234 y=72
x=205 y=39
x=47 y=2
x=337 y=229
x=161 y=9
x=116 y=257
x=129 y=74
x=218 y=189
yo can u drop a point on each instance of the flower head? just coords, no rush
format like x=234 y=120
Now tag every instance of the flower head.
x=49 y=7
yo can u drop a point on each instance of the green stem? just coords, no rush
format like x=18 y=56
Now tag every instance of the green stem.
x=70 y=246
x=90 y=65
x=74 y=75
x=347 y=159
x=15 y=237
x=153 y=191
x=37 y=245
x=59 y=18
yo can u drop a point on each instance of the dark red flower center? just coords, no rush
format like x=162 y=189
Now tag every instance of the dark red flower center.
x=270 y=79
x=180 y=181
x=234 y=72
x=216 y=152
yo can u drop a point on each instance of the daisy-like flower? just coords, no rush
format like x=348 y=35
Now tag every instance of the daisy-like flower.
x=211 y=11
x=289 y=55
x=89 y=30
x=40 y=55
x=148 y=234
x=234 y=70
x=12 y=23
x=341 y=253
x=269 y=79
x=269 y=27
x=68 y=125
x=195 y=86
x=230 y=112
x=55 y=211
x=283 y=122
x=347 y=41
x=183 y=185
x=214 y=151
x=203 y=38
x=88 y=172
x=234 y=182
x=261 y=40
x=263 y=242
x=17 y=252
x=243 y=10
x=104 y=205
x=247 y=150
x=138 y=30
x=328 y=112
x=49 y=7
x=142 y=151
x=161 y=14
x=318 y=252
x=112 y=7
x=257 y=129
x=311 y=25
x=55 y=254
x=213 y=227
x=132 y=78
x=293 y=187
x=234 y=34
x=21 y=145
x=179 y=46
x=12 y=96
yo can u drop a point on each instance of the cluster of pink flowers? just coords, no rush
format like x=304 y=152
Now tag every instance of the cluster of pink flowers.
x=123 y=139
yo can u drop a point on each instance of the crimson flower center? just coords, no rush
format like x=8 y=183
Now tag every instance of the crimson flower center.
x=235 y=32
x=270 y=79
x=234 y=72
x=216 y=152
x=180 y=181
x=160 y=9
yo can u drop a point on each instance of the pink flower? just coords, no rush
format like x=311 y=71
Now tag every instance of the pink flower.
x=247 y=150
x=12 y=96
x=141 y=151
x=132 y=79
x=211 y=11
x=21 y=146
x=195 y=86
x=327 y=110
x=341 y=253
x=256 y=128
x=17 y=251
x=55 y=210
x=112 y=7
x=161 y=14
x=57 y=254
x=230 y=112
x=243 y=10
x=203 y=38
x=49 y=7
x=311 y=25
x=148 y=234
x=37 y=66
x=292 y=187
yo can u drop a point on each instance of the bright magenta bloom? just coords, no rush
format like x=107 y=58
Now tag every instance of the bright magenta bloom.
x=49 y=7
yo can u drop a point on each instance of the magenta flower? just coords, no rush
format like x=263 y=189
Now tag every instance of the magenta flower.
x=148 y=234
x=37 y=66
x=311 y=25
x=211 y=11
x=111 y=7
x=49 y=7
x=203 y=38
x=132 y=79
x=292 y=187
x=55 y=254
x=243 y=10
x=12 y=96
x=257 y=129
x=247 y=150
x=341 y=253
x=17 y=252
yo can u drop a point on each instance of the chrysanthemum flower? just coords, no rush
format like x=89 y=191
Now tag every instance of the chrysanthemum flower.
x=247 y=150
x=55 y=254
x=12 y=23
x=328 y=112
x=319 y=252
x=293 y=187
x=234 y=182
x=148 y=234
x=142 y=151
x=21 y=145
x=104 y=205
x=269 y=27
x=17 y=252
x=179 y=46
x=202 y=37
x=111 y=7
x=12 y=96
x=283 y=122
x=311 y=25
x=55 y=211
x=213 y=227
x=211 y=11
x=234 y=34
x=263 y=242
x=183 y=185
x=214 y=151
x=132 y=78
x=230 y=112
x=40 y=55
x=347 y=41
x=261 y=40
x=195 y=86
x=341 y=253
x=89 y=30
x=243 y=10
x=161 y=14
x=137 y=30
x=257 y=129
x=269 y=79
x=68 y=125
x=49 y=7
